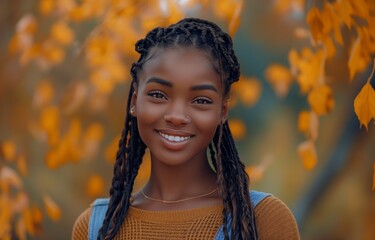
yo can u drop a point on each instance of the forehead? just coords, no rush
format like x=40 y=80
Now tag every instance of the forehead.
x=181 y=62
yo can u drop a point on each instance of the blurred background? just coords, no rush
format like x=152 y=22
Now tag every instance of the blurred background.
x=64 y=75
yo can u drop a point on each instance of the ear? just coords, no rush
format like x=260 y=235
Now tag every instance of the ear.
x=133 y=103
x=224 y=112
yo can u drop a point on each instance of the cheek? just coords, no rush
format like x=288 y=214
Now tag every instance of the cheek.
x=207 y=122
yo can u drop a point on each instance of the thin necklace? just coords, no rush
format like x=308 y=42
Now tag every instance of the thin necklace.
x=178 y=201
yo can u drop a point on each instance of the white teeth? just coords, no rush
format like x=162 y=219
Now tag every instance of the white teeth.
x=174 y=138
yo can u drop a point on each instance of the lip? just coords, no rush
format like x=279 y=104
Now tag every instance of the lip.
x=172 y=145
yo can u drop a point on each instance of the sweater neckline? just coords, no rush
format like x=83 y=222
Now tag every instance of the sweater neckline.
x=174 y=215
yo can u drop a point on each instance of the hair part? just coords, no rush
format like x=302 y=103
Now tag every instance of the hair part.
x=233 y=182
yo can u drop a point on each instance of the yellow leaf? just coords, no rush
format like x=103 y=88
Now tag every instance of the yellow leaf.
x=50 y=119
x=285 y=6
x=224 y=9
x=37 y=216
x=52 y=54
x=293 y=58
x=79 y=13
x=248 y=90
x=280 y=78
x=308 y=123
x=101 y=81
x=21 y=165
x=364 y=104
x=307 y=154
x=8 y=150
x=321 y=100
x=329 y=46
x=43 y=93
x=237 y=128
x=28 y=221
x=344 y=10
x=235 y=19
x=5 y=217
x=52 y=209
x=46 y=6
x=359 y=58
x=62 y=33
x=304 y=122
x=315 y=20
x=360 y=8
x=256 y=172
x=310 y=69
x=95 y=186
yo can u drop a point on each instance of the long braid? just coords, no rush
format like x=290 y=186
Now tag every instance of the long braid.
x=231 y=177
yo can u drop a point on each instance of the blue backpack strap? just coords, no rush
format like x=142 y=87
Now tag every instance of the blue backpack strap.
x=255 y=197
x=99 y=208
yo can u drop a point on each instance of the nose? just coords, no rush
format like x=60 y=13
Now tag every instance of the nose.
x=177 y=114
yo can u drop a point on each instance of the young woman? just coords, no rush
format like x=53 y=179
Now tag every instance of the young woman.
x=177 y=108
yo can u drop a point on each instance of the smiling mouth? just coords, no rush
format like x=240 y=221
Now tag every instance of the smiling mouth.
x=174 y=138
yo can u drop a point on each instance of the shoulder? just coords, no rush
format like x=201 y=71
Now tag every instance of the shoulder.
x=81 y=225
x=275 y=220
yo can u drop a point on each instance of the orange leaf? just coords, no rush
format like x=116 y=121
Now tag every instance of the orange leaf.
x=321 y=99
x=95 y=186
x=359 y=58
x=248 y=90
x=364 y=104
x=52 y=209
x=46 y=6
x=256 y=172
x=53 y=54
x=307 y=154
x=8 y=150
x=373 y=180
x=237 y=128
x=280 y=78
x=21 y=165
x=62 y=33
x=308 y=123
x=50 y=119
x=43 y=93
x=316 y=22
x=235 y=19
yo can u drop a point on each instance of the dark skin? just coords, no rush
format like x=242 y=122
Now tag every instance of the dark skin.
x=178 y=104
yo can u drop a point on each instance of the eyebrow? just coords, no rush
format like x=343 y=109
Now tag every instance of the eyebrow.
x=193 y=88
x=203 y=87
x=160 y=81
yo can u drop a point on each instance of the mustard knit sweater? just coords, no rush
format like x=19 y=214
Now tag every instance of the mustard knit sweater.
x=274 y=221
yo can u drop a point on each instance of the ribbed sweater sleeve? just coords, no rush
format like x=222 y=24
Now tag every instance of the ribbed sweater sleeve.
x=275 y=220
x=81 y=225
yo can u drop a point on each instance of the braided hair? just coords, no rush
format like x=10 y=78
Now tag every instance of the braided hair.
x=233 y=182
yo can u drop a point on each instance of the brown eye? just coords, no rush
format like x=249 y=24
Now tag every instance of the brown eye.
x=157 y=94
x=202 y=100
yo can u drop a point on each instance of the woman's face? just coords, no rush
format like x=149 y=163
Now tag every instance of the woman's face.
x=178 y=104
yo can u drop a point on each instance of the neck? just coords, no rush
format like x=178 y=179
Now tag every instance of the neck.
x=176 y=182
